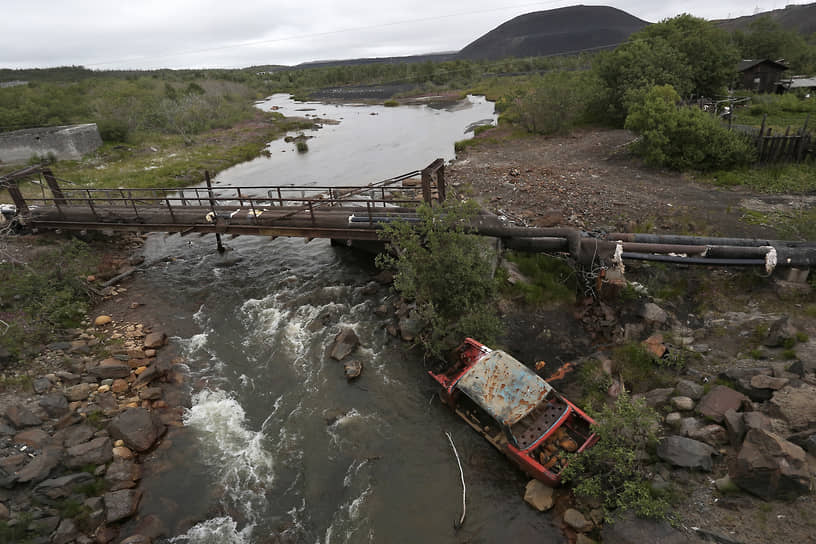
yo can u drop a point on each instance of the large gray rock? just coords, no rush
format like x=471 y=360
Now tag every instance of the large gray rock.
x=796 y=405
x=718 y=401
x=345 y=343
x=735 y=425
x=653 y=313
x=54 y=404
x=75 y=434
x=687 y=388
x=33 y=436
x=41 y=466
x=658 y=397
x=123 y=474
x=20 y=416
x=771 y=467
x=713 y=435
x=685 y=452
x=139 y=428
x=539 y=496
x=96 y=452
x=155 y=340
x=633 y=530
x=576 y=520
x=111 y=368
x=65 y=533
x=121 y=504
x=80 y=391
x=57 y=489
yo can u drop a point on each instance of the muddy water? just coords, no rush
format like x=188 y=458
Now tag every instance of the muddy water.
x=277 y=446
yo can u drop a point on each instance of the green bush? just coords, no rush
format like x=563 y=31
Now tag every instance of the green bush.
x=683 y=138
x=391 y=104
x=46 y=295
x=551 y=279
x=614 y=471
x=448 y=272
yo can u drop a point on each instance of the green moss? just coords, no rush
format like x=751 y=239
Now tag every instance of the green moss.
x=639 y=369
x=551 y=280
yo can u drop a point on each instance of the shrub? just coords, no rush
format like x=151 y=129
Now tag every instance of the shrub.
x=391 y=104
x=683 y=137
x=447 y=271
x=551 y=279
x=614 y=470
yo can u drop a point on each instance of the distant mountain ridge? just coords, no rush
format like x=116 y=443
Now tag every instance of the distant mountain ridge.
x=801 y=18
x=553 y=32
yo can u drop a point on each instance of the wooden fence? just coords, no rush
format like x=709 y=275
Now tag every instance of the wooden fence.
x=788 y=147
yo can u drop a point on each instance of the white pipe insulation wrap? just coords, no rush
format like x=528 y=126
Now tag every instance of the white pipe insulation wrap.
x=617 y=258
x=210 y=217
x=770 y=259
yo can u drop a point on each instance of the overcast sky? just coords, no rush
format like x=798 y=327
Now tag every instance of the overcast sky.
x=111 y=34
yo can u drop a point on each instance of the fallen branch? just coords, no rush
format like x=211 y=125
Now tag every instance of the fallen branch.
x=116 y=279
x=458 y=525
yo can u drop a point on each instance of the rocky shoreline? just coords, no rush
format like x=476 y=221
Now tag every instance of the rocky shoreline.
x=71 y=451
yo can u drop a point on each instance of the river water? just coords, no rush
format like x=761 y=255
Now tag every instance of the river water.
x=277 y=446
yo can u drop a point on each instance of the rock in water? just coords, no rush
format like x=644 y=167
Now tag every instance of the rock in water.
x=539 y=496
x=345 y=343
x=137 y=427
x=352 y=369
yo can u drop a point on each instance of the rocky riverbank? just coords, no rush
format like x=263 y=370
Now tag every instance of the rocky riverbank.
x=79 y=419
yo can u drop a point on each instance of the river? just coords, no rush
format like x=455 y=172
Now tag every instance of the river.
x=277 y=446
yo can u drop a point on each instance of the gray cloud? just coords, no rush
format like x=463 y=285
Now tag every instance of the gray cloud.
x=108 y=34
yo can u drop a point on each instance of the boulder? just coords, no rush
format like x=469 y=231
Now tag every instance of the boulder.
x=155 y=340
x=137 y=539
x=345 y=343
x=41 y=385
x=771 y=467
x=111 y=368
x=658 y=397
x=123 y=474
x=65 y=533
x=689 y=426
x=685 y=452
x=20 y=416
x=352 y=369
x=152 y=527
x=634 y=530
x=41 y=466
x=654 y=345
x=409 y=327
x=673 y=419
x=79 y=392
x=539 y=496
x=796 y=405
x=761 y=381
x=58 y=489
x=735 y=425
x=575 y=519
x=682 y=404
x=756 y=420
x=54 y=404
x=96 y=452
x=150 y=393
x=4 y=512
x=718 y=401
x=687 y=388
x=713 y=435
x=653 y=313
x=121 y=504
x=76 y=434
x=137 y=427
x=34 y=437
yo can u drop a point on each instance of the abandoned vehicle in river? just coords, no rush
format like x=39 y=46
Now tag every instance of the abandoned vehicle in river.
x=515 y=410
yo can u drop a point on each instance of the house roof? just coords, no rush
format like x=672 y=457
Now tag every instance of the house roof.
x=748 y=64
x=503 y=387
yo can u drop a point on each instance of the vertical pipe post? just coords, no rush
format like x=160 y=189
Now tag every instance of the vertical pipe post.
x=59 y=198
x=426 y=186
x=218 y=243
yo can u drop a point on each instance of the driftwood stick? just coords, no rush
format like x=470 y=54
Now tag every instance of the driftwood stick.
x=116 y=279
x=458 y=525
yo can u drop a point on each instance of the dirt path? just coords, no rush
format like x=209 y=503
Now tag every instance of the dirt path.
x=591 y=182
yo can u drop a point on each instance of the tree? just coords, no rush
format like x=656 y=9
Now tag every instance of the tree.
x=614 y=470
x=447 y=271
x=683 y=137
x=767 y=39
x=688 y=53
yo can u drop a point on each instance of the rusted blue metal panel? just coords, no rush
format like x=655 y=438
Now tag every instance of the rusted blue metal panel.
x=503 y=387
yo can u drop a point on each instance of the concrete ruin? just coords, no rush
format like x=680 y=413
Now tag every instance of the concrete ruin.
x=69 y=142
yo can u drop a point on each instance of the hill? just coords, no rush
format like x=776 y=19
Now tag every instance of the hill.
x=801 y=18
x=553 y=32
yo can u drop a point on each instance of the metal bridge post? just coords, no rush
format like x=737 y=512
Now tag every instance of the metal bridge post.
x=218 y=243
